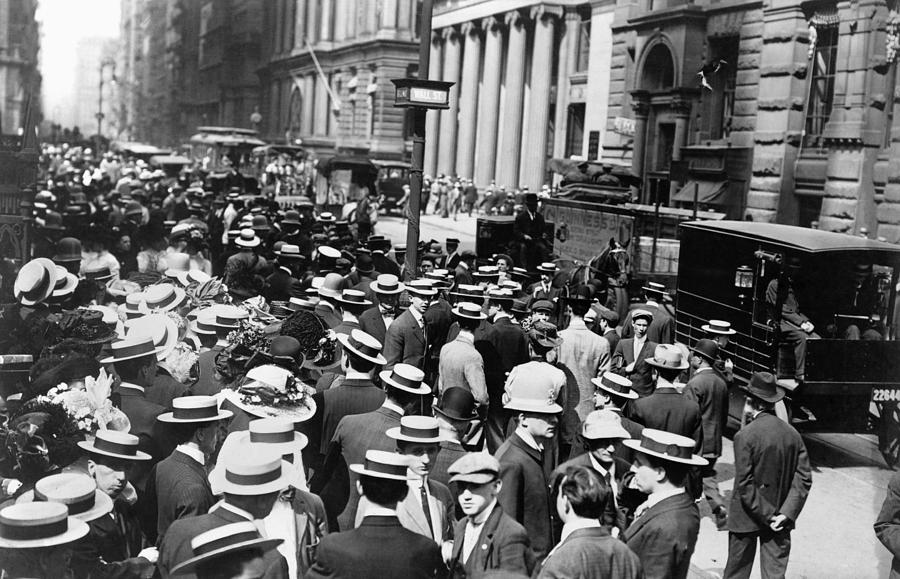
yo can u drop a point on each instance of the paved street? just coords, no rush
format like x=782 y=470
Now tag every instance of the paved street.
x=432 y=227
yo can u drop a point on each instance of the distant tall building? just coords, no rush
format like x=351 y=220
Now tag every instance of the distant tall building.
x=346 y=102
x=90 y=54
x=20 y=77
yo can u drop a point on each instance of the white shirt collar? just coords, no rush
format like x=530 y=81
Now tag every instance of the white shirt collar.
x=192 y=451
x=373 y=510
x=348 y=317
x=391 y=406
x=354 y=375
x=600 y=468
x=660 y=496
x=236 y=510
x=576 y=524
x=418 y=317
x=132 y=386
x=529 y=439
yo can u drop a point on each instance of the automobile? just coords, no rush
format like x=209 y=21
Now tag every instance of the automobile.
x=392 y=176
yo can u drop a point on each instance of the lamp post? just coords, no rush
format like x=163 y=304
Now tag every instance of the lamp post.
x=103 y=65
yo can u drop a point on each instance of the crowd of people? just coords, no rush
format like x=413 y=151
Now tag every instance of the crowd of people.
x=201 y=383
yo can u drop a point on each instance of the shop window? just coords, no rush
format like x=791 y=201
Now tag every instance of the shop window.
x=720 y=73
x=821 y=89
x=575 y=129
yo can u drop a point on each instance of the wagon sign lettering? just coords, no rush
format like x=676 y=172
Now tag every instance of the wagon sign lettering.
x=581 y=234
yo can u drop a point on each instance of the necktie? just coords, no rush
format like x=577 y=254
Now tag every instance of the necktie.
x=612 y=491
x=426 y=508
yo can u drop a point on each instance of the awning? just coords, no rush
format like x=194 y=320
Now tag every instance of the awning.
x=708 y=192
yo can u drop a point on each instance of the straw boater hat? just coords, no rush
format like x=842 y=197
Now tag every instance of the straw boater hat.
x=163 y=297
x=468 y=292
x=115 y=444
x=247 y=238
x=178 y=263
x=407 y=378
x=421 y=429
x=469 y=311
x=603 y=424
x=289 y=251
x=308 y=304
x=129 y=349
x=352 y=297
x=654 y=288
x=273 y=434
x=363 y=345
x=135 y=305
x=326 y=217
x=98 y=273
x=158 y=327
x=77 y=491
x=194 y=276
x=205 y=322
x=764 y=386
x=616 y=385
x=251 y=473
x=41 y=524
x=194 y=410
x=382 y=464
x=547 y=267
x=387 y=284
x=35 y=282
x=666 y=445
x=223 y=541
x=669 y=357
x=718 y=327
x=65 y=283
x=535 y=393
x=421 y=287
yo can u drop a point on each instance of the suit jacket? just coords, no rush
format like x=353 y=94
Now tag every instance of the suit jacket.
x=664 y=537
x=507 y=348
x=662 y=327
x=612 y=516
x=462 y=366
x=107 y=552
x=462 y=275
x=152 y=438
x=372 y=323
x=165 y=389
x=709 y=391
x=591 y=552
x=353 y=437
x=502 y=545
x=438 y=318
x=887 y=525
x=404 y=342
x=329 y=315
x=362 y=284
x=772 y=474
x=669 y=410
x=451 y=451
x=525 y=494
x=384 y=264
x=613 y=337
x=380 y=547
x=353 y=396
x=209 y=382
x=175 y=547
x=641 y=380
x=181 y=488
x=585 y=354
x=280 y=286
x=412 y=515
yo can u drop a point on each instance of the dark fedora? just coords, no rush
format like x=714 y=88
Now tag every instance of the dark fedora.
x=364 y=263
x=456 y=404
x=764 y=386
x=707 y=348
x=67 y=249
x=291 y=217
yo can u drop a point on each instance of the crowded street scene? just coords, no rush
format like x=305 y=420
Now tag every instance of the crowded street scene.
x=449 y=289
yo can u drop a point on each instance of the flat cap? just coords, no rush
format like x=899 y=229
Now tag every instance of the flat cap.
x=475 y=467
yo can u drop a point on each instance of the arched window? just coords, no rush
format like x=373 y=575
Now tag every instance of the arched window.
x=659 y=69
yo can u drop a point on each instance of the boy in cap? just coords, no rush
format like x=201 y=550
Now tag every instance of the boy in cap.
x=486 y=539
x=380 y=546
x=630 y=354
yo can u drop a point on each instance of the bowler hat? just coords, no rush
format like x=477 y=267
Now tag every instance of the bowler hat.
x=456 y=403
x=764 y=386
x=707 y=348
x=67 y=249
x=364 y=263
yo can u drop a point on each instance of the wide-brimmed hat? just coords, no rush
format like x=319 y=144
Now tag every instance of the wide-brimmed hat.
x=641 y=314
x=544 y=334
x=669 y=357
x=406 y=377
x=228 y=316
x=115 y=444
x=383 y=464
x=77 y=491
x=353 y=298
x=251 y=473
x=131 y=348
x=89 y=328
x=421 y=287
x=35 y=282
x=194 y=409
x=363 y=345
x=469 y=311
x=177 y=263
x=163 y=297
x=456 y=403
x=603 y=424
x=475 y=467
x=67 y=249
x=289 y=251
x=764 y=385
x=615 y=384
x=501 y=295
x=707 y=348
x=718 y=327
x=65 y=283
x=193 y=276
x=468 y=292
x=421 y=429
x=548 y=267
x=296 y=304
x=666 y=445
x=535 y=393
x=247 y=238
x=222 y=541
x=387 y=283
x=158 y=327
x=205 y=322
x=487 y=272
x=42 y=524
x=268 y=380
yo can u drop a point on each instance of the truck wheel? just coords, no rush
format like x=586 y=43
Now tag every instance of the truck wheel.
x=889 y=433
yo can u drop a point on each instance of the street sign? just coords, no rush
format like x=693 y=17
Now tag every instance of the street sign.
x=426 y=94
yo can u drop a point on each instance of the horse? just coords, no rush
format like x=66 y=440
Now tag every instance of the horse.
x=612 y=268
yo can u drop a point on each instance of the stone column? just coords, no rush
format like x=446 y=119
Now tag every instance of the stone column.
x=309 y=100
x=389 y=15
x=568 y=49
x=326 y=25
x=433 y=117
x=640 y=104
x=468 y=101
x=534 y=150
x=312 y=22
x=511 y=126
x=300 y=23
x=447 y=144
x=682 y=105
x=322 y=107
x=488 y=114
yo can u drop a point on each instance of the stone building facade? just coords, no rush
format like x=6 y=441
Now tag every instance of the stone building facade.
x=328 y=70
x=20 y=76
x=531 y=83
x=789 y=104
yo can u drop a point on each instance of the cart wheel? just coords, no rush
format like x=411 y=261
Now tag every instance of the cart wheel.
x=889 y=433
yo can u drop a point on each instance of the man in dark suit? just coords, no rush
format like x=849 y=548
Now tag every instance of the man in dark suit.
x=772 y=481
x=451 y=260
x=247 y=497
x=887 y=525
x=455 y=412
x=358 y=433
x=528 y=230
x=525 y=493
x=607 y=320
x=363 y=276
x=438 y=319
x=225 y=320
x=352 y=303
x=662 y=327
x=405 y=340
x=709 y=391
x=543 y=289
x=587 y=548
x=629 y=357
x=486 y=538
x=665 y=527
x=462 y=273
x=376 y=320
x=794 y=327
x=380 y=546
x=283 y=283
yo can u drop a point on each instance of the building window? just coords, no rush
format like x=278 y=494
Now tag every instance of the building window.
x=417 y=17
x=371 y=93
x=721 y=76
x=889 y=101
x=352 y=85
x=575 y=129
x=584 y=44
x=821 y=90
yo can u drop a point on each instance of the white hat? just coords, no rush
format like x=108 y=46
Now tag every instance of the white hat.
x=421 y=429
x=77 y=491
x=407 y=378
x=129 y=349
x=666 y=445
x=603 y=424
x=363 y=345
x=164 y=297
x=247 y=238
x=42 y=524
x=382 y=464
x=194 y=409
x=220 y=541
x=251 y=473
x=158 y=327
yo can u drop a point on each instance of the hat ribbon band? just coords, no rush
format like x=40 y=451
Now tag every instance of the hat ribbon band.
x=272 y=437
x=115 y=447
x=405 y=382
x=387 y=287
x=99 y=274
x=210 y=411
x=76 y=507
x=614 y=386
x=164 y=302
x=135 y=350
x=253 y=479
x=391 y=469
x=224 y=542
x=673 y=450
x=363 y=348
x=206 y=327
x=30 y=532
x=226 y=321
x=412 y=432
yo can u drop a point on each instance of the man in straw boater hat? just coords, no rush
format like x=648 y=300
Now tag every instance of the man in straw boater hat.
x=232 y=551
x=662 y=327
x=707 y=388
x=376 y=320
x=613 y=392
x=284 y=282
x=771 y=487
x=250 y=484
x=405 y=341
x=601 y=431
x=352 y=303
x=178 y=483
x=524 y=495
x=455 y=413
x=630 y=354
x=461 y=365
x=36 y=539
x=355 y=434
x=665 y=527
x=227 y=319
x=720 y=332
x=380 y=546
x=163 y=330
x=486 y=539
